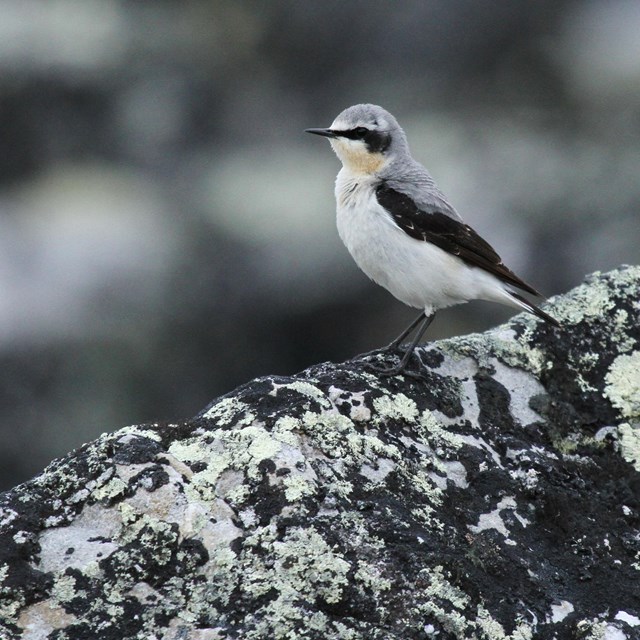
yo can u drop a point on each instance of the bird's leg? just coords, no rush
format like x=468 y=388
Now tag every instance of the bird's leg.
x=400 y=367
x=393 y=346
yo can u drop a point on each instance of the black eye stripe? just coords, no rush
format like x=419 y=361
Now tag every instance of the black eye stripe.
x=377 y=141
x=359 y=133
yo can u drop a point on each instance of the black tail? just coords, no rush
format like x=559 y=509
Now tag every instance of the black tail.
x=535 y=310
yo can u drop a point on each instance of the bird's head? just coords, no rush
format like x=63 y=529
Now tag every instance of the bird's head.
x=365 y=137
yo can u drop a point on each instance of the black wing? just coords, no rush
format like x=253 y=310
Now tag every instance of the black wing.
x=450 y=235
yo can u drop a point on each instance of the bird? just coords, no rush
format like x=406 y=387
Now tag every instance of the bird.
x=403 y=232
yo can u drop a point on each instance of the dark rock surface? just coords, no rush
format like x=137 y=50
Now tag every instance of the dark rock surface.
x=497 y=497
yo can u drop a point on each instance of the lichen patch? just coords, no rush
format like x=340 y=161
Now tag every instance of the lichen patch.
x=623 y=385
x=397 y=407
x=630 y=443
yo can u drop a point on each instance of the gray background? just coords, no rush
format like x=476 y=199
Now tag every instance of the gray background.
x=167 y=231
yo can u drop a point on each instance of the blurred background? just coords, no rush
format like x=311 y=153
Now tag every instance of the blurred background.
x=167 y=230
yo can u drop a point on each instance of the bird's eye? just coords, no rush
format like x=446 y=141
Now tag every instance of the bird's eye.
x=361 y=132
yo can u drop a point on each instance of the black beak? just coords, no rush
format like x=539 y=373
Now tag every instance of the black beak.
x=327 y=133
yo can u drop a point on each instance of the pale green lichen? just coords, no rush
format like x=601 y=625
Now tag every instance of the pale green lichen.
x=344 y=633
x=489 y=626
x=451 y=621
x=370 y=576
x=7 y=516
x=301 y=561
x=447 y=605
x=284 y=430
x=111 y=490
x=502 y=343
x=440 y=587
x=307 y=389
x=225 y=410
x=359 y=534
x=397 y=407
x=585 y=386
x=238 y=495
x=145 y=530
x=9 y=608
x=335 y=435
x=193 y=451
x=522 y=632
x=261 y=445
x=190 y=451
x=296 y=487
x=574 y=441
x=328 y=431
x=92 y=569
x=127 y=513
x=621 y=322
x=493 y=630
x=585 y=363
x=520 y=353
x=588 y=300
x=433 y=431
x=597 y=298
x=241 y=449
x=422 y=481
x=339 y=488
x=64 y=589
x=629 y=439
x=623 y=385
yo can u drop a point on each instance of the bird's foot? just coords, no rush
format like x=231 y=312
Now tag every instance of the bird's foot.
x=393 y=370
x=384 y=371
x=390 y=370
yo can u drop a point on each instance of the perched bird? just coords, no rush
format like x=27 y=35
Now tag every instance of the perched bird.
x=403 y=232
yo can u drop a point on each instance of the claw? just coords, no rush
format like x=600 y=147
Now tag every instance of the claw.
x=399 y=369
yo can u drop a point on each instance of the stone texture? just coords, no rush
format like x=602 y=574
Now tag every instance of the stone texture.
x=498 y=496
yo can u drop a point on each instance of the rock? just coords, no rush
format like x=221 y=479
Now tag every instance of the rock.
x=498 y=496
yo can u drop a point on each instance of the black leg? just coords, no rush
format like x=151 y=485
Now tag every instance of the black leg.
x=392 y=346
x=399 y=368
x=409 y=352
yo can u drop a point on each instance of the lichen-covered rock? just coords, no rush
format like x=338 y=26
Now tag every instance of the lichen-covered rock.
x=496 y=497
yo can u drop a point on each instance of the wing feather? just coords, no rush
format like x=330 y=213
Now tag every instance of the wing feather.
x=448 y=234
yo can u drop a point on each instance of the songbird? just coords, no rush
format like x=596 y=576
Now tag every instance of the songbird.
x=403 y=232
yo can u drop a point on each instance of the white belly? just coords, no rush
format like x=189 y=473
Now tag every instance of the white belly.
x=416 y=272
